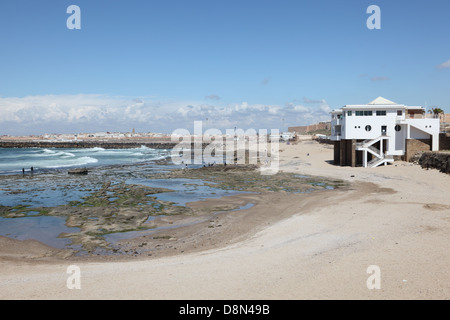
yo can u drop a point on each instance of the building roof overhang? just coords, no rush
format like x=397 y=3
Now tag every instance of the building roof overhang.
x=374 y=106
x=379 y=103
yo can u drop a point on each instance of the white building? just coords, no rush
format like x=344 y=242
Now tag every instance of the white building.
x=373 y=134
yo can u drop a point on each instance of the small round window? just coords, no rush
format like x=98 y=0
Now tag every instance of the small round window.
x=368 y=128
x=398 y=128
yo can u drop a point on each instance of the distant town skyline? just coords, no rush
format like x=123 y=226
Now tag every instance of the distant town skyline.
x=157 y=66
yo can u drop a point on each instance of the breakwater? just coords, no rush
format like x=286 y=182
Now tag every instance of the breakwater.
x=86 y=144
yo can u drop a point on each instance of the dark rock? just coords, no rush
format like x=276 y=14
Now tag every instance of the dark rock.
x=435 y=160
x=79 y=171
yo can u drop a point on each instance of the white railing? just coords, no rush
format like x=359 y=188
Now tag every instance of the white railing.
x=375 y=151
x=377 y=161
x=374 y=162
x=421 y=116
x=363 y=143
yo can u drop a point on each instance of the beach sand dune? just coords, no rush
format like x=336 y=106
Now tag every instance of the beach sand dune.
x=315 y=246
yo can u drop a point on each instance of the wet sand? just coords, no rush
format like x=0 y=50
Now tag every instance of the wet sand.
x=286 y=246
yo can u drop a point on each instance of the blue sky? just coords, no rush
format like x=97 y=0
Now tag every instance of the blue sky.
x=160 y=65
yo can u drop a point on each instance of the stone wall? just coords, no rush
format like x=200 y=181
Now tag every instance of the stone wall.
x=444 y=141
x=414 y=146
x=310 y=128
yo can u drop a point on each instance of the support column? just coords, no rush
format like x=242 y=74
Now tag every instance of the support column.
x=434 y=142
x=342 y=156
x=353 y=153
x=337 y=152
x=364 y=159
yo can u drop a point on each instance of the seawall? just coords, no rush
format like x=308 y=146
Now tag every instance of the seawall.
x=85 y=144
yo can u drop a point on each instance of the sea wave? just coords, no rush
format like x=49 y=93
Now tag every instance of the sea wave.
x=52 y=153
x=48 y=151
x=12 y=160
x=68 y=155
x=76 y=162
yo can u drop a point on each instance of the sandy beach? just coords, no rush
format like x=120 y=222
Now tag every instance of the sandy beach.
x=301 y=246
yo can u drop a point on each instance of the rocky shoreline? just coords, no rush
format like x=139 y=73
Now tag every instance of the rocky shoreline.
x=109 y=206
x=86 y=144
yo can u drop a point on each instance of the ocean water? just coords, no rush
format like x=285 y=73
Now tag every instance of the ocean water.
x=184 y=190
x=44 y=229
x=51 y=186
x=13 y=161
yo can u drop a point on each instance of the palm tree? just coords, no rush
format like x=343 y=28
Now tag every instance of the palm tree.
x=436 y=112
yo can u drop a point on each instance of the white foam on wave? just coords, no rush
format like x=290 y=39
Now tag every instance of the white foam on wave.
x=86 y=150
x=74 y=157
x=48 y=151
x=63 y=154
x=51 y=153
x=68 y=155
x=160 y=158
x=75 y=162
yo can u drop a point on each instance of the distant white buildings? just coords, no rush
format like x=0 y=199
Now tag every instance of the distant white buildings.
x=373 y=134
x=286 y=136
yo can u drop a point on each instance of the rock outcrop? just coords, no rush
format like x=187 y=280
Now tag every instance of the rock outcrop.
x=436 y=160
x=85 y=144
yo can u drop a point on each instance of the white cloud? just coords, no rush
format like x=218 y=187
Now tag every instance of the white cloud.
x=91 y=113
x=273 y=109
x=325 y=108
x=444 y=65
x=301 y=109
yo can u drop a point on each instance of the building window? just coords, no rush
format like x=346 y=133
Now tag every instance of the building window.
x=381 y=112
x=363 y=113
x=398 y=128
x=399 y=112
x=349 y=113
x=368 y=128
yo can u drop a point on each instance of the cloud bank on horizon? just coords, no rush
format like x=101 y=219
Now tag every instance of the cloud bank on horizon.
x=95 y=113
